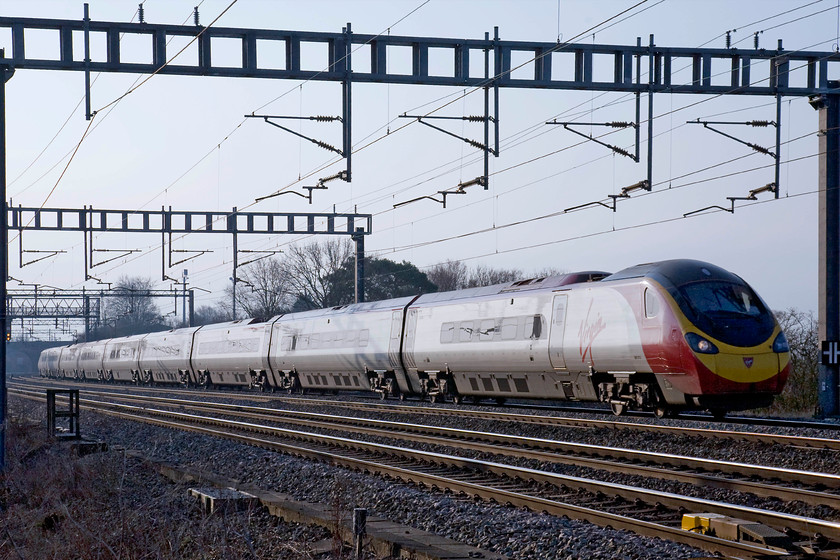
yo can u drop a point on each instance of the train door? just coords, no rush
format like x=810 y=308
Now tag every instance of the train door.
x=394 y=343
x=558 y=328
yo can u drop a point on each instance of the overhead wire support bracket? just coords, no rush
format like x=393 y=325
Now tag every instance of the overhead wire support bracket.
x=458 y=190
x=46 y=255
x=617 y=124
x=756 y=147
x=753 y=195
x=625 y=193
x=484 y=147
x=760 y=149
x=264 y=255
x=318 y=143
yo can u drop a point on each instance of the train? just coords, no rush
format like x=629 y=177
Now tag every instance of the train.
x=664 y=337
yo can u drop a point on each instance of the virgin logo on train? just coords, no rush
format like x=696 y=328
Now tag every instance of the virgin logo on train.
x=588 y=331
x=748 y=362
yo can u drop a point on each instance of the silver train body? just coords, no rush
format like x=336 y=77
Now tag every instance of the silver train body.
x=586 y=336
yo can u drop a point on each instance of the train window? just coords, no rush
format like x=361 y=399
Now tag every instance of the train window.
x=364 y=336
x=465 y=331
x=651 y=304
x=447 y=333
x=488 y=328
x=509 y=328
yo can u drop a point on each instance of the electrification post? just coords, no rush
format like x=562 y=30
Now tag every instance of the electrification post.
x=184 y=307
x=5 y=74
x=359 y=238
x=828 y=106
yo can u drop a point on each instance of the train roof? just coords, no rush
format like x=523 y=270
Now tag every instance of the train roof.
x=385 y=304
x=678 y=271
x=545 y=282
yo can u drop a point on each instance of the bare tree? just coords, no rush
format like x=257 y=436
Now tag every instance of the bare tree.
x=448 y=276
x=800 y=393
x=483 y=275
x=209 y=314
x=265 y=288
x=133 y=311
x=309 y=266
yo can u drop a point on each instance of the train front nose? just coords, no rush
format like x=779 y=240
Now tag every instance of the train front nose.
x=728 y=369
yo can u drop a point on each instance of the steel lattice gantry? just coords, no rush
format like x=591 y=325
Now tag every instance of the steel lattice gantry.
x=339 y=45
x=586 y=62
x=53 y=304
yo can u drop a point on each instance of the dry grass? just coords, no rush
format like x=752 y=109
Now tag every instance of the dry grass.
x=108 y=505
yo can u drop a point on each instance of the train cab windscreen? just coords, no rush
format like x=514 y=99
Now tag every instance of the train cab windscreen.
x=717 y=302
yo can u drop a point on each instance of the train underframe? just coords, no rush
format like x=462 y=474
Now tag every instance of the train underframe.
x=622 y=391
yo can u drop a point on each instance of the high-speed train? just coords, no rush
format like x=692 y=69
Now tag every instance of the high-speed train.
x=664 y=336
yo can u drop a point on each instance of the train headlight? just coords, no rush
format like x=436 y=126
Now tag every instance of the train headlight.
x=700 y=344
x=781 y=344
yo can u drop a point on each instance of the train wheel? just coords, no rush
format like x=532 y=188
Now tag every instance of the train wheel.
x=457 y=399
x=433 y=398
x=661 y=412
x=501 y=400
x=618 y=408
x=382 y=395
x=402 y=396
x=718 y=414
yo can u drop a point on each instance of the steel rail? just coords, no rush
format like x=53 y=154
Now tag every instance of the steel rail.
x=801 y=524
x=465 y=439
x=561 y=421
x=468 y=438
x=553 y=507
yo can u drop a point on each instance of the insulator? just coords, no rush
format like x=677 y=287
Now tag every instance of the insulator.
x=619 y=124
x=195 y=17
x=326 y=146
x=769 y=187
x=755 y=40
x=758 y=148
x=140 y=13
x=728 y=40
x=478 y=145
x=476 y=181
x=759 y=123
x=339 y=175
x=620 y=151
x=475 y=118
x=325 y=118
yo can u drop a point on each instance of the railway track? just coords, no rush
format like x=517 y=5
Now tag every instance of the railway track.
x=495 y=415
x=531 y=488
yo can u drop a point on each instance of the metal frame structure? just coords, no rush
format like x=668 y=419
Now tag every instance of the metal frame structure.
x=166 y=222
x=663 y=64
x=84 y=304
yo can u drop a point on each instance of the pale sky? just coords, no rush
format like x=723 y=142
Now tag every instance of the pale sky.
x=183 y=142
